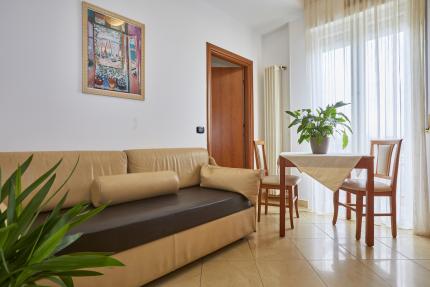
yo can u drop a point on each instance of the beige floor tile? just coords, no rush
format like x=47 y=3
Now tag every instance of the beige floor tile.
x=309 y=217
x=423 y=263
x=340 y=230
x=346 y=229
x=265 y=227
x=321 y=249
x=313 y=254
x=260 y=235
x=186 y=276
x=238 y=250
x=275 y=249
x=400 y=273
x=385 y=231
x=305 y=216
x=361 y=251
x=351 y=273
x=230 y=274
x=305 y=231
x=267 y=238
x=412 y=247
x=296 y=273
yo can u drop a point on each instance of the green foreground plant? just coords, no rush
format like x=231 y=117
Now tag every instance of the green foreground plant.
x=28 y=250
x=323 y=124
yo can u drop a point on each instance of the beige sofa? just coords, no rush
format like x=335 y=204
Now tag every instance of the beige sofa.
x=157 y=257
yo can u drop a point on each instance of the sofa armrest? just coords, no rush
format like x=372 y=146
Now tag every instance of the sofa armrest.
x=244 y=181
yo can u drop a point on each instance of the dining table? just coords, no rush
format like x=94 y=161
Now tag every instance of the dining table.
x=330 y=170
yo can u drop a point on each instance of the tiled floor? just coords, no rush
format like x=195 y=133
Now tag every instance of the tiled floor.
x=313 y=254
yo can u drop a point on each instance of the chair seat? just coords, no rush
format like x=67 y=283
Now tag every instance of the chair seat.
x=290 y=180
x=360 y=185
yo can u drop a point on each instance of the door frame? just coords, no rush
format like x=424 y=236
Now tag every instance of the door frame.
x=213 y=50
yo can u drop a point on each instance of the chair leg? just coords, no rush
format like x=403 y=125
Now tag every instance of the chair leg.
x=290 y=205
x=266 y=201
x=393 y=216
x=296 y=201
x=348 y=201
x=335 y=206
x=259 y=205
x=359 y=214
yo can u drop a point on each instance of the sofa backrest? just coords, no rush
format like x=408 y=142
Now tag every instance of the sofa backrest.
x=91 y=164
x=187 y=162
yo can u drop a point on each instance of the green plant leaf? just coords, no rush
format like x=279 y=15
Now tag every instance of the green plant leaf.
x=11 y=179
x=18 y=187
x=345 y=117
x=64 y=182
x=67 y=280
x=3 y=260
x=291 y=114
x=293 y=123
x=344 y=140
x=37 y=182
x=42 y=252
x=346 y=126
x=4 y=232
x=11 y=204
x=87 y=215
x=31 y=211
x=324 y=123
x=59 y=281
x=28 y=251
x=67 y=241
x=1 y=182
x=76 y=261
x=49 y=245
x=340 y=104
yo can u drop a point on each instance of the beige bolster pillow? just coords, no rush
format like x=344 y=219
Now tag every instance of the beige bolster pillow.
x=244 y=181
x=115 y=189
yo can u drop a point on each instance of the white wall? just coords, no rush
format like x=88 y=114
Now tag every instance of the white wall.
x=286 y=46
x=41 y=103
x=299 y=88
x=275 y=48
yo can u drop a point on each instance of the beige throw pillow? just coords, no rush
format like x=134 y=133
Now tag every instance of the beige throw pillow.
x=244 y=181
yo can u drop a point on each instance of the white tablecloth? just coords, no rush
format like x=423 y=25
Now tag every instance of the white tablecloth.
x=328 y=169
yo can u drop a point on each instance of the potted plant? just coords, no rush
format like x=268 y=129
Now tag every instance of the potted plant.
x=28 y=250
x=317 y=128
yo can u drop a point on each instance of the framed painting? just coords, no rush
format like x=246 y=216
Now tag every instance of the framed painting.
x=113 y=47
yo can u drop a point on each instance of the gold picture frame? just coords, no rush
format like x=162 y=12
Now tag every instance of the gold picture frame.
x=113 y=54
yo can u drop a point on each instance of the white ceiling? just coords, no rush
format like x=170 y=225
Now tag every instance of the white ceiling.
x=262 y=15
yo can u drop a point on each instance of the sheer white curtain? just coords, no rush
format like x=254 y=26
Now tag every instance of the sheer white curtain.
x=370 y=53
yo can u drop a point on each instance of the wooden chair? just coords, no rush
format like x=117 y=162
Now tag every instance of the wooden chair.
x=272 y=182
x=386 y=171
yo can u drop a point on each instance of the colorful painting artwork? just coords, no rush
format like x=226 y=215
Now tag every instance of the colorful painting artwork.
x=113 y=51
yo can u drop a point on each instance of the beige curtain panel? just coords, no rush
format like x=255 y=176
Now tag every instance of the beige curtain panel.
x=272 y=115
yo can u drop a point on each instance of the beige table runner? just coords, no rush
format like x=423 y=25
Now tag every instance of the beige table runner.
x=328 y=169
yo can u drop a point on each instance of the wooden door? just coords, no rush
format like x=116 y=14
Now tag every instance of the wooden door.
x=227 y=116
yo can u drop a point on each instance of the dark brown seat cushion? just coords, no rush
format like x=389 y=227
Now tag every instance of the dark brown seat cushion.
x=131 y=224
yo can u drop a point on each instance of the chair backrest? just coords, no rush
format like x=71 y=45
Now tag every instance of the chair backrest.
x=387 y=155
x=260 y=156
